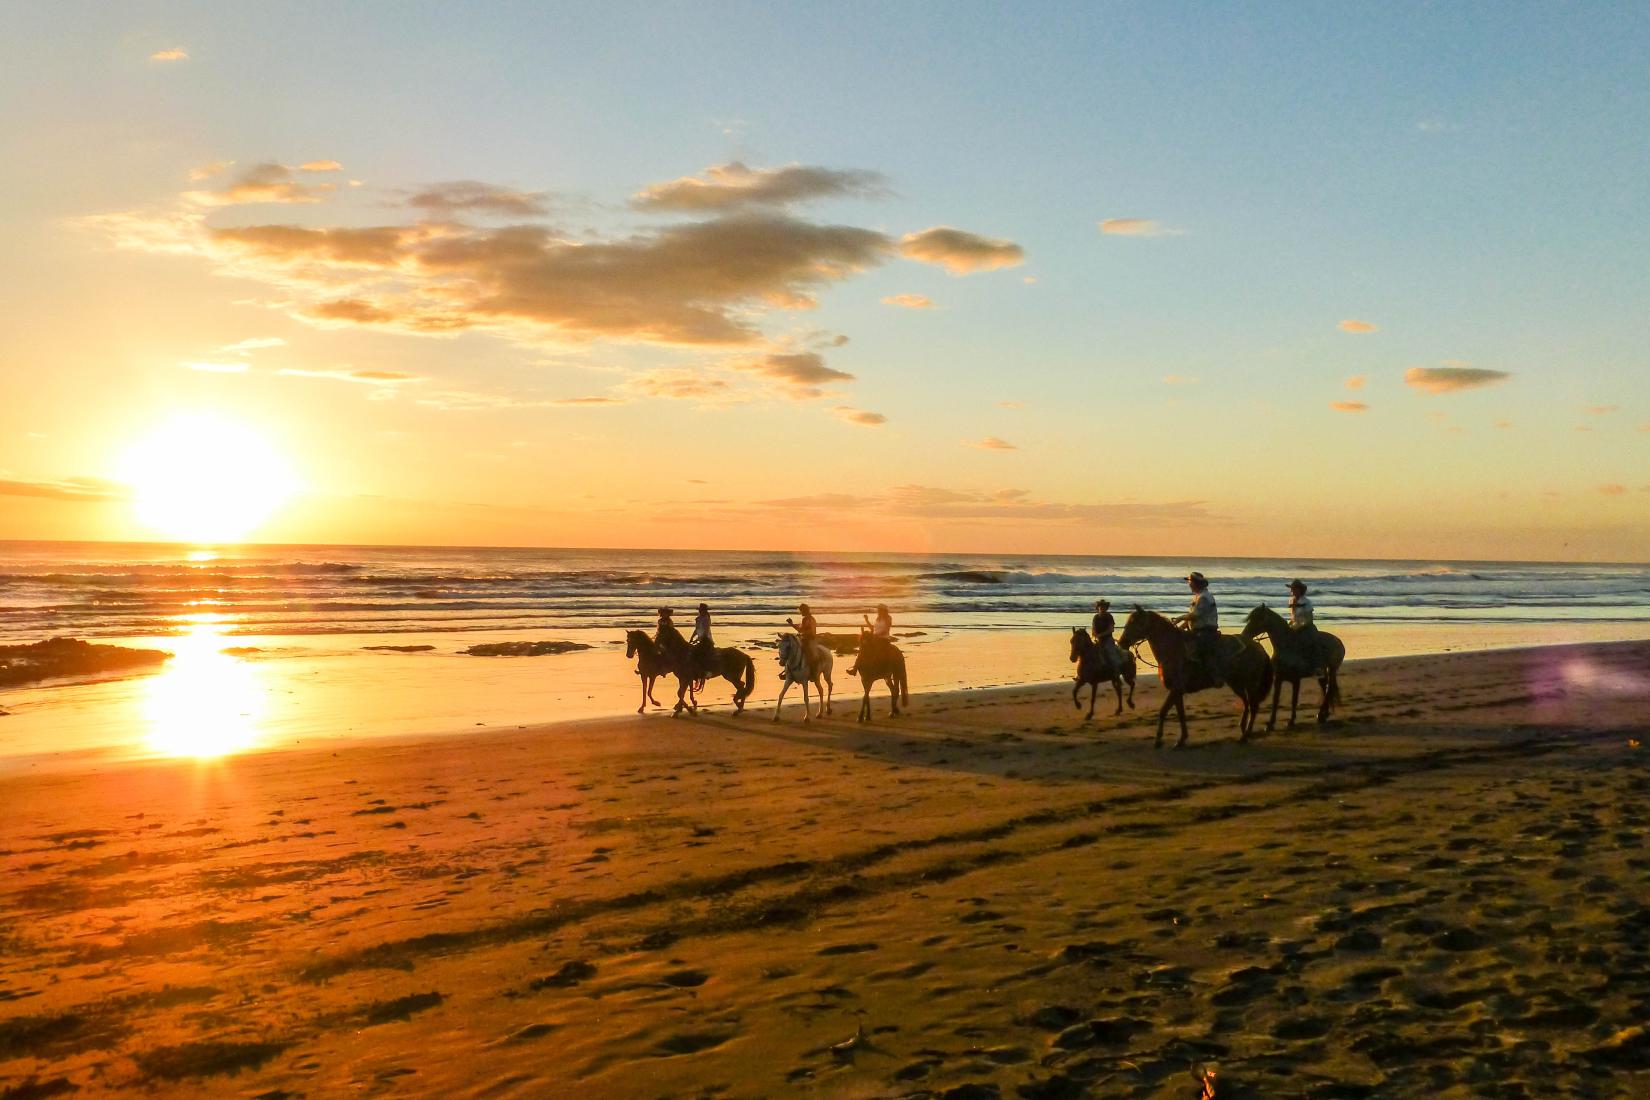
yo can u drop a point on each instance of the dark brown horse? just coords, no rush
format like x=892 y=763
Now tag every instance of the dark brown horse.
x=1093 y=669
x=1291 y=661
x=677 y=658
x=880 y=659
x=650 y=664
x=1248 y=670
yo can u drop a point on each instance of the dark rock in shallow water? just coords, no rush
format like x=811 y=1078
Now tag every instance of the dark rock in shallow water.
x=399 y=648
x=23 y=664
x=523 y=649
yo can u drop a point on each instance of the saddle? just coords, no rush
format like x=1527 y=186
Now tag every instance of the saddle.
x=1208 y=659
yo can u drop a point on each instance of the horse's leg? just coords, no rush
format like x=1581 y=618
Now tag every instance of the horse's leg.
x=1180 y=712
x=1162 y=713
x=893 y=697
x=1277 y=692
x=1294 y=700
x=807 y=715
x=784 y=686
x=1117 y=686
x=1076 y=686
x=681 y=703
x=1326 y=683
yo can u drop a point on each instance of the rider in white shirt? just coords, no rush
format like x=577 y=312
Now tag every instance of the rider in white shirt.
x=1203 y=620
x=1300 y=622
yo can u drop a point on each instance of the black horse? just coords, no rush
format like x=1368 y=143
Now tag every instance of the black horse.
x=679 y=659
x=1094 y=669
x=880 y=659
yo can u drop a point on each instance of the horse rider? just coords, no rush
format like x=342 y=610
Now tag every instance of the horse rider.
x=667 y=632
x=808 y=632
x=1203 y=620
x=704 y=649
x=875 y=637
x=1104 y=624
x=1300 y=620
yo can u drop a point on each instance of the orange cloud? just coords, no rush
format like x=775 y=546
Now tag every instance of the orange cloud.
x=207 y=171
x=176 y=53
x=909 y=301
x=1136 y=227
x=263 y=183
x=1503 y=424
x=1349 y=406
x=992 y=443
x=1612 y=490
x=1600 y=410
x=580 y=401
x=1011 y=404
x=959 y=251
x=320 y=166
x=86 y=490
x=1352 y=325
x=1356 y=382
x=1450 y=379
x=676 y=383
x=860 y=416
x=457 y=197
x=365 y=377
x=803 y=372
x=733 y=186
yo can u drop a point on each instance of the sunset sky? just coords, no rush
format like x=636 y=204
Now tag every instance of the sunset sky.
x=1103 y=278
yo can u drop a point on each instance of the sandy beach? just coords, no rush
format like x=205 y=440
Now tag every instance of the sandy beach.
x=1444 y=893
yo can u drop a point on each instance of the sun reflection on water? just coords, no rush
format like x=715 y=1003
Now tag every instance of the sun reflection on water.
x=205 y=702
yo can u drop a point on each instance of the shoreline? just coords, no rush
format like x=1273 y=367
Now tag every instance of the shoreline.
x=990 y=893
x=126 y=688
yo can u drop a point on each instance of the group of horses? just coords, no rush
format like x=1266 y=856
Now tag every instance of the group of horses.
x=1246 y=668
x=879 y=660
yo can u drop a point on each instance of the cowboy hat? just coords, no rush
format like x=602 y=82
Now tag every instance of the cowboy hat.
x=1102 y=604
x=1194 y=577
x=1297 y=585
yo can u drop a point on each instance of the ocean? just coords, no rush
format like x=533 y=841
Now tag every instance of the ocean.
x=298 y=621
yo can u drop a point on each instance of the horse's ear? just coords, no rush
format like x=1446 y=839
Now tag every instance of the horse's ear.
x=1140 y=609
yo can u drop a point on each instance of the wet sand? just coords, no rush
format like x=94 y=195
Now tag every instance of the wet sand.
x=1445 y=893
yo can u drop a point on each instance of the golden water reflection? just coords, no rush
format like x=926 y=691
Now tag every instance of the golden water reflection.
x=205 y=702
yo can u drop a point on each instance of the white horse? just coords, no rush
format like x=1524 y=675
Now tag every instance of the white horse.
x=793 y=670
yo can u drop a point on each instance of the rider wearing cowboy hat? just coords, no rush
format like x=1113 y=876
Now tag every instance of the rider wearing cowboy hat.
x=667 y=629
x=1300 y=620
x=1203 y=620
x=704 y=649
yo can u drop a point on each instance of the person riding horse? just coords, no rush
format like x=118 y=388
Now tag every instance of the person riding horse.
x=1300 y=619
x=1203 y=620
x=875 y=639
x=808 y=632
x=1104 y=624
x=704 y=649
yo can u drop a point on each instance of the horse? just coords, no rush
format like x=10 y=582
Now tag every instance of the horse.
x=1248 y=669
x=1291 y=662
x=680 y=661
x=650 y=664
x=793 y=669
x=881 y=660
x=1093 y=669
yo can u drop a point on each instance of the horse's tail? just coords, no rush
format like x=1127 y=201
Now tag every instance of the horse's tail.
x=1334 y=697
x=904 y=683
x=749 y=684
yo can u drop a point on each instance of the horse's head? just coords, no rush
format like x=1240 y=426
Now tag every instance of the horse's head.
x=1134 y=628
x=1256 y=622
x=787 y=648
x=1079 y=639
x=633 y=640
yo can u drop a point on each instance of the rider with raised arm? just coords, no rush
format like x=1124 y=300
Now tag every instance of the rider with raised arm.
x=808 y=632
x=875 y=638
x=1203 y=620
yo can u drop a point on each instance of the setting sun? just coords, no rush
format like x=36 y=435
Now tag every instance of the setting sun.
x=199 y=478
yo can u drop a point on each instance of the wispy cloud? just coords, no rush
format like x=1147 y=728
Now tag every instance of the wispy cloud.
x=570 y=402
x=1353 y=325
x=87 y=490
x=1005 y=506
x=176 y=53
x=207 y=171
x=1451 y=379
x=909 y=301
x=802 y=373
x=1356 y=382
x=733 y=186
x=320 y=166
x=1502 y=424
x=992 y=443
x=1137 y=227
x=219 y=368
x=1178 y=380
x=348 y=374
x=1011 y=404
x=1612 y=490
x=456 y=197
x=860 y=416
x=263 y=183
x=678 y=383
x=255 y=343
x=959 y=251
x=1349 y=406
x=1600 y=410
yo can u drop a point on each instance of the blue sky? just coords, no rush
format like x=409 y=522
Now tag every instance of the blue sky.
x=1471 y=180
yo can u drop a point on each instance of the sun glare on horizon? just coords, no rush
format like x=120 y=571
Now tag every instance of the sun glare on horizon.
x=199 y=478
